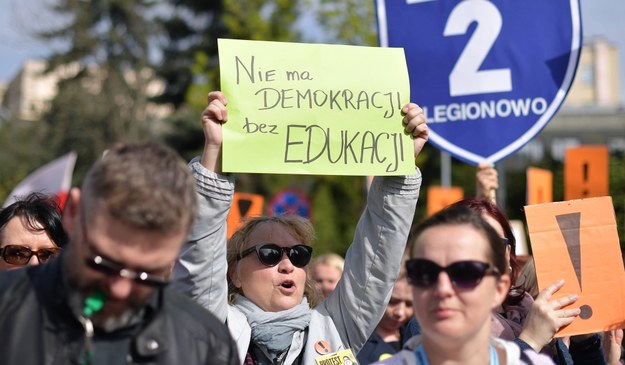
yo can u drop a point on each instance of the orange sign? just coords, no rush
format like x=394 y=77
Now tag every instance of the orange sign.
x=577 y=241
x=539 y=186
x=439 y=197
x=243 y=206
x=586 y=172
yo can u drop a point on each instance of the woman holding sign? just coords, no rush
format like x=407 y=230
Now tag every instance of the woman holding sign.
x=259 y=282
x=530 y=321
x=458 y=272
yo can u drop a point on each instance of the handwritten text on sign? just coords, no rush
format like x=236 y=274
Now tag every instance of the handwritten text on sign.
x=314 y=109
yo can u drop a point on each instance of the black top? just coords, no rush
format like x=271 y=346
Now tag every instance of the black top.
x=38 y=326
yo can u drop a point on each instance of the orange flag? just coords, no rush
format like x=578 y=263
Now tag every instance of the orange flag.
x=586 y=172
x=440 y=197
x=539 y=186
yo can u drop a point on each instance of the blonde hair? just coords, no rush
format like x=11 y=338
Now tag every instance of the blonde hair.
x=331 y=259
x=299 y=227
x=402 y=267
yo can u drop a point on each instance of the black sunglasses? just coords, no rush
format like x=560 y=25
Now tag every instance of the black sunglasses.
x=20 y=255
x=463 y=274
x=110 y=268
x=270 y=254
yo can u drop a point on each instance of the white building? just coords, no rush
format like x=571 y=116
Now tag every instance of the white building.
x=30 y=92
x=28 y=95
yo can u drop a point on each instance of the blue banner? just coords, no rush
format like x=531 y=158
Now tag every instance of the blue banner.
x=489 y=74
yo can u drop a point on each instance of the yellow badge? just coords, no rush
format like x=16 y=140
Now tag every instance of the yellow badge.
x=344 y=357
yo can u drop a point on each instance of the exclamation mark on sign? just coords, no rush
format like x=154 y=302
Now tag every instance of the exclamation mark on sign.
x=585 y=189
x=244 y=206
x=570 y=227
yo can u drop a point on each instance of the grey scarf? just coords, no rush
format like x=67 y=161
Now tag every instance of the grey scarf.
x=274 y=330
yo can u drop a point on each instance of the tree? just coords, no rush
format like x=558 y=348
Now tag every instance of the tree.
x=347 y=21
x=21 y=152
x=268 y=20
x=103 y=98
x=617 y=181
x=189 y=48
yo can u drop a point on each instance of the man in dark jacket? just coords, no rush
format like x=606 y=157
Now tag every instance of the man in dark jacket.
x=105 y=299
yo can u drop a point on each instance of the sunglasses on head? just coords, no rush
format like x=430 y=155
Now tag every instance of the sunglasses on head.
x=270 y=254
x=20 y=255
x=462 y=274
x=110 y=268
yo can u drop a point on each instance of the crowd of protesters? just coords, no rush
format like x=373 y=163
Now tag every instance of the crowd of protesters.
x=136 y=268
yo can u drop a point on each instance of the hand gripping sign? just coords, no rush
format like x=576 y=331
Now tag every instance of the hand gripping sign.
x=489 y=74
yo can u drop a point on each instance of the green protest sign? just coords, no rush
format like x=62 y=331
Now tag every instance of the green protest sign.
x=317 y=109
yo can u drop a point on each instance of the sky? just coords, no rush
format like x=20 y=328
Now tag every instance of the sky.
x=19 y=19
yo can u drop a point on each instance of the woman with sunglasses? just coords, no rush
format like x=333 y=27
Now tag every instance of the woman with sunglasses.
x=530 y=323
x=508 y=320
x=458 y=272
x=31 y=232
x=265 y=294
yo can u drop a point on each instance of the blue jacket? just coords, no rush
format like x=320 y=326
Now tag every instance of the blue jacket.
x=376 y=347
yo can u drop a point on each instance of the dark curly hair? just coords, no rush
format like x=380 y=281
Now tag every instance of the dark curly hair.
x=39 y=212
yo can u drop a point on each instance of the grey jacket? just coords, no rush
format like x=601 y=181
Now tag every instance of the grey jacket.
x=351 y=313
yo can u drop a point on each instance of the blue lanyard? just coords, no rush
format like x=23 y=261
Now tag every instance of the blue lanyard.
x=423 y=360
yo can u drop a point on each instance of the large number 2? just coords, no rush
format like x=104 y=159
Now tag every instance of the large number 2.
x=466 y=77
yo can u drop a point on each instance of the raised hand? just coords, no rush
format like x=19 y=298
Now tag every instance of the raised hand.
x=486 y=180
x=415 y=123
x=213 y=116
